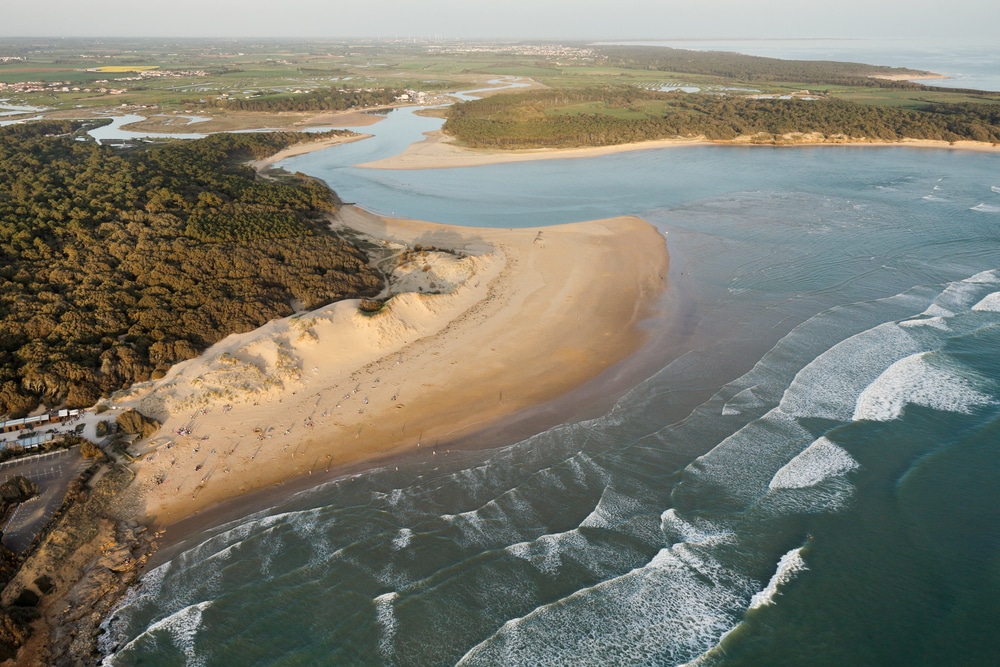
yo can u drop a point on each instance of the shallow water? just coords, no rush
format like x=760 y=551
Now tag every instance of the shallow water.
x=809 y=479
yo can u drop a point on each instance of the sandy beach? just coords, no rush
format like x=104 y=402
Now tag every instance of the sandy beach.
x=438 y=151
x=303 y=148
x=522 y=316
x=230 y=121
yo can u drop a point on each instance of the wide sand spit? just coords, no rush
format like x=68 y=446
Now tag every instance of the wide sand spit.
x=486 y=325
x=439 y=151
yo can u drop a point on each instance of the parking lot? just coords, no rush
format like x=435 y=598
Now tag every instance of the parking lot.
x=52 y=473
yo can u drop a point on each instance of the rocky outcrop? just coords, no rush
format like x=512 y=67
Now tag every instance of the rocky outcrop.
x=13 y=635
x=80 y=570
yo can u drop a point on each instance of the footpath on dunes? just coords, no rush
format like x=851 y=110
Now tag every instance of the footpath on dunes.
x=482 y=324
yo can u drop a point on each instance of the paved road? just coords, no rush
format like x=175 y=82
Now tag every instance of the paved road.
x=52 y=473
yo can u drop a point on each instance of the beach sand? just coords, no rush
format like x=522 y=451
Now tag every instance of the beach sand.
x=230 y=121
x=438 y=151
x=303 y=148
x=524 y=317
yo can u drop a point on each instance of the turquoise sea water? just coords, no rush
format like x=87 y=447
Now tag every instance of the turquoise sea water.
x=810 y=478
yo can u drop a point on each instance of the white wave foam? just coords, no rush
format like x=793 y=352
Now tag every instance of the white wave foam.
x=934 y=316
x=934 y=310
x=989 y=277
x=671 y=610
x=700 y=531
x=788 y=566
x=935 y=322
x=402 y=539
x=114 y=629
x=603 y=559
x=612 y=509
x=744 y=400
x=181 y=627
x=829 y=385
x=914 y=380
x=818 y=462
x=983 y=207
x=933 y=198
x=489 y=526
x=545 y=553
x=386 y=618
x=989 y=303
x=995 y=188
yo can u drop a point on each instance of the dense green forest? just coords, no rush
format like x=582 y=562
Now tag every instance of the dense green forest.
x=616 y=115
x=114 y=264
x=741 y=67
x=329 y=99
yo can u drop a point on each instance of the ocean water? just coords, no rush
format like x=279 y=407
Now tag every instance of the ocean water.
x=810 y=478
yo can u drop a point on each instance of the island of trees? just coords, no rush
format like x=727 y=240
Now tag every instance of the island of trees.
x=116 y=264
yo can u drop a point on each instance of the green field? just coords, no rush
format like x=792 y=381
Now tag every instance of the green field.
x=164 y=76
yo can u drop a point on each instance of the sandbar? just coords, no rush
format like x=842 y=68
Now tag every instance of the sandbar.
x=438 y=150
x=522 y=316
x=303 y=148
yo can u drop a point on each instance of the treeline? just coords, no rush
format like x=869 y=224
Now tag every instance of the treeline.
x=329 y=99
x=541 y=119
x=114 y=265
x=740 y=67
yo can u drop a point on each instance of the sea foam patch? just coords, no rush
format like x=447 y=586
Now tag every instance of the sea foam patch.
x=828 y=386
x=181 y=628
x=697 y=531
x=989 y=303
x=671 y=610
x=402 y=539
x=386 y=618
x=817 y=463
x=788 y=566
x=915 y=380
x=612 y=509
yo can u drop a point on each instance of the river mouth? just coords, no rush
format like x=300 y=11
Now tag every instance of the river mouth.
x=833 y=377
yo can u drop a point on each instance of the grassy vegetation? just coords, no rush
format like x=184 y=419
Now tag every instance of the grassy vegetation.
x=194 y=74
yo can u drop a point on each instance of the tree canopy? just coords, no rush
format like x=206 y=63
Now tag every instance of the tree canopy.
x=114 y=265
x=623 y=114
x=324 y=99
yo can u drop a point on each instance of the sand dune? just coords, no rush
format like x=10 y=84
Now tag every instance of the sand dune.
x=489 y=323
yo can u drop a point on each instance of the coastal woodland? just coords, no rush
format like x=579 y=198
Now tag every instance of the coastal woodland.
x=325 y=99
x=621 y=114
x=755 y=69
x=117 y=263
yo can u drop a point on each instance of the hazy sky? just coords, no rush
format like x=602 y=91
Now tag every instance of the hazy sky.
x=933 y=21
